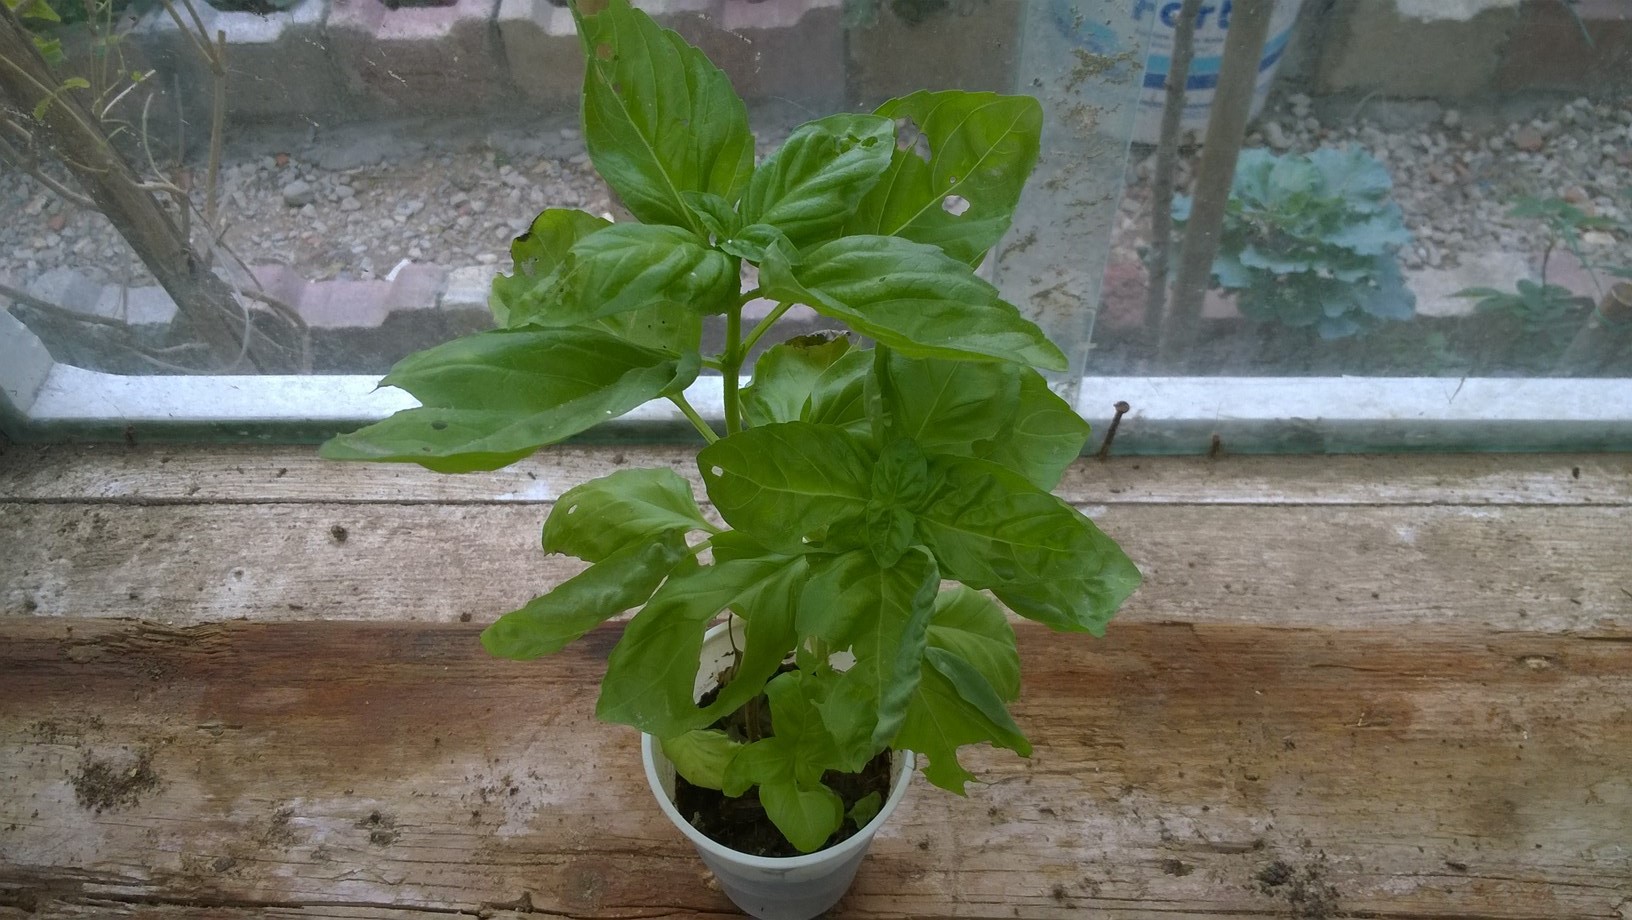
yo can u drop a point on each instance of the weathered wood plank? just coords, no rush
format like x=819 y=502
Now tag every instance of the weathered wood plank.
x=166 y=473
x=1545 y=569
x=392 y=771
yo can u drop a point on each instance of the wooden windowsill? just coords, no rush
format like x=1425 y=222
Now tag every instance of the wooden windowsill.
x=239 y=682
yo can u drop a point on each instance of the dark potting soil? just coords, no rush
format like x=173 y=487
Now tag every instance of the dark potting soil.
x=742 y=825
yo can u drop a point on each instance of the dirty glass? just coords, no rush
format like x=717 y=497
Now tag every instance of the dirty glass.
x=1406 y=190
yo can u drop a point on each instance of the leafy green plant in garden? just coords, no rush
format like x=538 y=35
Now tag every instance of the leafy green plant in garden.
x=852 y=480
x=1310 y=241
x=1549 y=310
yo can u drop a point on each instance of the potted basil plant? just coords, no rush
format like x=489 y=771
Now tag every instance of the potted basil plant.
x=852 y=480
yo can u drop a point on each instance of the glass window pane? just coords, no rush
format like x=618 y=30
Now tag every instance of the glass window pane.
x=1399 y=189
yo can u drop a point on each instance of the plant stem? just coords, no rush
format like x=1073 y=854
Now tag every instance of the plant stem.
x=1167 y=154
x=730 y=365
x=691 y=414
x=1226 y=129
x=764 y=326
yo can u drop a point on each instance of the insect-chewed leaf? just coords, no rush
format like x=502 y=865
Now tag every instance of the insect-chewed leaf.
x=492 y=398
x=953 y=706
x=659 y=119
x=882 y=616
x=812 y=183
x=537 y=254
x=982 y=148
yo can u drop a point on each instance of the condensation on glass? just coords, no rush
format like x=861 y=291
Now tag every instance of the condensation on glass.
x=1422 y=189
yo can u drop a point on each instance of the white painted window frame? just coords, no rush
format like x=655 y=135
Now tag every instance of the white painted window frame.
x=41 y=400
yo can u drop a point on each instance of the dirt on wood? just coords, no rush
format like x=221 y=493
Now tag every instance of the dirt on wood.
x=106 y=783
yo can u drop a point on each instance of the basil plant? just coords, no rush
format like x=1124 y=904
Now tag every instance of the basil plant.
x=852 y=481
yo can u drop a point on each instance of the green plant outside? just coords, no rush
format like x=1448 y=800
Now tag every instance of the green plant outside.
x=852 y=481
x=1310 y=241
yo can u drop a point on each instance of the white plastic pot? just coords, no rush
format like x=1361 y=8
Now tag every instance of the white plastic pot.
x=1204 y=68
x=771 y=888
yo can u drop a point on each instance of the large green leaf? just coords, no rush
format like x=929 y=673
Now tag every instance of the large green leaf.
x=537 y=254
x=990 y=528
x=812 y=183
x=495 y=397
x=628 y=267
x=948 y=406
x=622 y=580
x=882 y=616
x=659 y=119
x=982 y=147
x=970 y=625
x=1041 y=434
x=652 y=671
x=788 y=766
x=910 y=296
x=628 y=507
x=784 y=375
x=953 y=706
x=701 y=756
x=768 y=637
x=784 y=484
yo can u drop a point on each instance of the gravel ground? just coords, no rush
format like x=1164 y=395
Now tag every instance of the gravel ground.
x=352 y=201
x=1457 y=171
x=344 y=203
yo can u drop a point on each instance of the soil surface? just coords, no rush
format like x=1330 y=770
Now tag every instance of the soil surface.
x=741 y=823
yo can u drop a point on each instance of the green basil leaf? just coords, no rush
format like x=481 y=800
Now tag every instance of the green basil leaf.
x=953 y=706
x=627 y=508
x=970 y=625
x=630 y=267
x=784 y=484
x=990 y=528
x=912 y=297
x=717 y=216
x=889 y=531
x=882 y=616
x=701 y=756
x=788 y=766
x=786 y=376
x=948 y=407
x=982 y=147
x=492 y=398
x=768 y=611
x=1040 y=437
x=537 y=254
x=652 y=671
x=865 y=809
x=753 y=241
x=659 y=119
x=674 y=329
x=901 y=475
x=812 y=183
x=806 y=815
x=622 y=580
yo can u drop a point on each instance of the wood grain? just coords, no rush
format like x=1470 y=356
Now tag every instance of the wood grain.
x=1546 y=569
x=391 y=770
x=170 y=474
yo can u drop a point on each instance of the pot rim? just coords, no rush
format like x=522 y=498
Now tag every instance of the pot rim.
x=839 y=851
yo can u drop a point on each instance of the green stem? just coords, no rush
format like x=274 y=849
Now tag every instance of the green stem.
x=691 y=414
x=765 y=325
x=730 y=365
